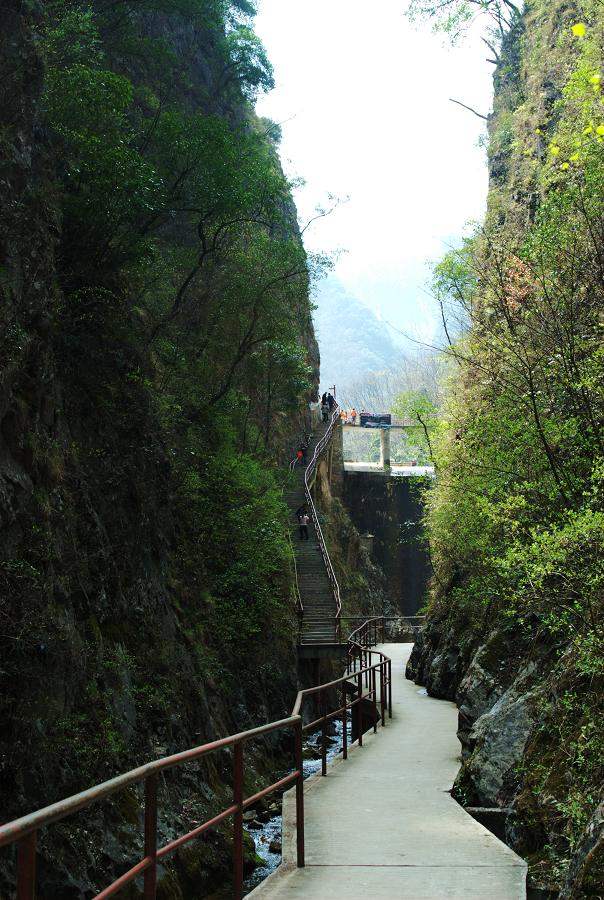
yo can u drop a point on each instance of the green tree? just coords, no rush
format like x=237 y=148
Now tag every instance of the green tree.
x=454 y=16
x=419 y=407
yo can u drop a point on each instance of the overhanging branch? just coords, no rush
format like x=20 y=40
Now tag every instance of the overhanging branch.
x=470 y=109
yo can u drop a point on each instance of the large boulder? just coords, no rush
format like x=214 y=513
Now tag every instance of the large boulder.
x=488 y=676
x=495 y=743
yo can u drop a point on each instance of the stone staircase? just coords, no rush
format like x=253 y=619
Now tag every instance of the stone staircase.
x=318 y=623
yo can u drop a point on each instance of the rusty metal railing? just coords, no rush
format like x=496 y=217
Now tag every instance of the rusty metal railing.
x=359 y=653
x=377 y=677
x=24 y=831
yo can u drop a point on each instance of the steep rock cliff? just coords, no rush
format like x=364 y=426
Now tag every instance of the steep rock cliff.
x=511 y=648
x=143 y=563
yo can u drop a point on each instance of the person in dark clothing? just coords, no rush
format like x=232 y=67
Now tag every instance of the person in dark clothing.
x=330 y=402
x=302 y=510
x=324 y=398
x=304 y=522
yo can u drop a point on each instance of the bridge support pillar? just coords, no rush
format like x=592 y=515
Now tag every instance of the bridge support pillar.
x=385 y=448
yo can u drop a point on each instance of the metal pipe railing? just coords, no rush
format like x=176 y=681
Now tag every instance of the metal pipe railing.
x=315 y=517
x=360 y=666
x=296 y=583
x=312 y=465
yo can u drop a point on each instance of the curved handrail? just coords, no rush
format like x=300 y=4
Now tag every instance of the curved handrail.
x=378 y=681
x=297 y=594
x=315 y=517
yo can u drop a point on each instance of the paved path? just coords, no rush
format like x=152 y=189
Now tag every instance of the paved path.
x=383 y=824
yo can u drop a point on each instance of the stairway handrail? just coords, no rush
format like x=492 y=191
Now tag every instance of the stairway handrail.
x=23 y=831
x=335 y=587
x=297 y=594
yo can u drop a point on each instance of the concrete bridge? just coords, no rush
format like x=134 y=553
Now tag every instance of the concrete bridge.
x=384 y=466
x=383 y=823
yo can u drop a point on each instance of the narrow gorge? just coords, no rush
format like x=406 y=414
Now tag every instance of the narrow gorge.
x=189 y=555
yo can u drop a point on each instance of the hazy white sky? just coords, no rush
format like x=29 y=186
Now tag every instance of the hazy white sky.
x=364 y=100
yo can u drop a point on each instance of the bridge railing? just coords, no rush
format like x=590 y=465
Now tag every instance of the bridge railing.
x=380 y=629
x=24 y=831
x=377 y=677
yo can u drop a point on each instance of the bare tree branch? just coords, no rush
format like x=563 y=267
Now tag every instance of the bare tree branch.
x=469 y=108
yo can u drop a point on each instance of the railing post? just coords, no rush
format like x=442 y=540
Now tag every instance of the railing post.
x=374 y=695
x=150 y=877
x=299 y=796
x=383 y=692
x=359 y=710
x=345 y=724
x=238 y=821
x=390 y=688
x=26 y=867
x=323 y=734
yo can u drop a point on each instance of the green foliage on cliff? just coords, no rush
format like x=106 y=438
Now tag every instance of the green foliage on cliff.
x=152 y=389
x=178 y=215
x=516 y=519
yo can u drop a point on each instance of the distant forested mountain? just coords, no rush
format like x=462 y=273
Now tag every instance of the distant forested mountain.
x=352 y=340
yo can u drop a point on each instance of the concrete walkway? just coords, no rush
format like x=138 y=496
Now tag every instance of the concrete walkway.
x=383 y=824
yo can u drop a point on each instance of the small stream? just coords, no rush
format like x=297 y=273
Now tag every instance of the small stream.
x=267 y=835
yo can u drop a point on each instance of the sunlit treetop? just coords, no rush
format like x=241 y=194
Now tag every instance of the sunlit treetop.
x=453 y=17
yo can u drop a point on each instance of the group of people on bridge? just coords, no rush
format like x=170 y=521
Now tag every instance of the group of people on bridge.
x=349 y=416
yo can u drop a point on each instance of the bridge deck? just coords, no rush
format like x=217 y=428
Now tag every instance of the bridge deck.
x=383 y=824
x=392 y=471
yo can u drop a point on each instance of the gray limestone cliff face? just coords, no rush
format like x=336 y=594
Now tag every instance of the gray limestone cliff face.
x=496 y=697
x=495 y=743
x=502 y=687
x=586 y=872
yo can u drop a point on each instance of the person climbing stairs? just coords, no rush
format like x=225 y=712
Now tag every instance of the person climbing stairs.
x=318 y=594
